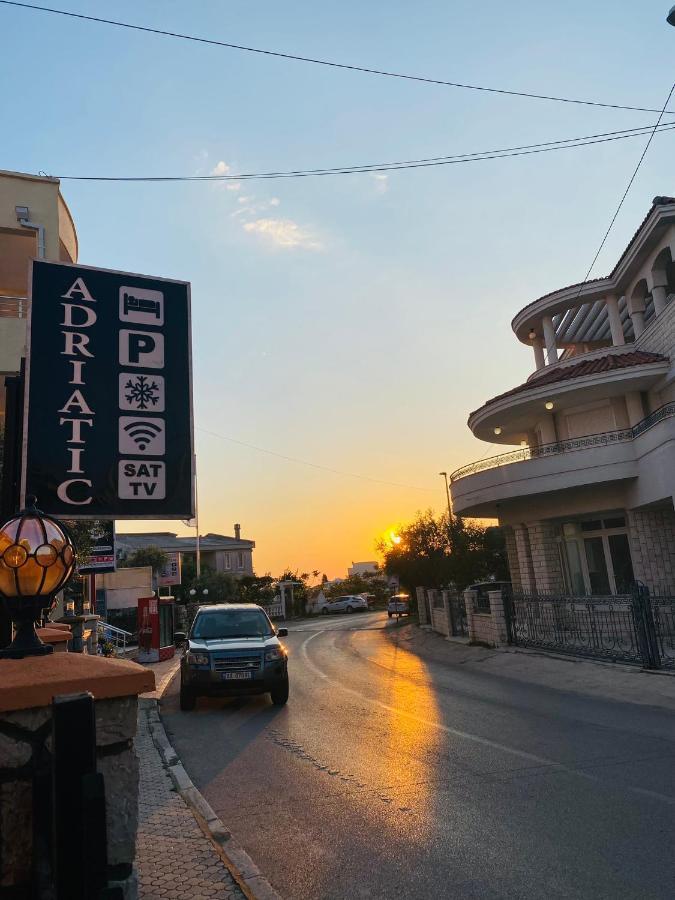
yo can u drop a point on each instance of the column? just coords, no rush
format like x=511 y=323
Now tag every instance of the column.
x=545 y=557
x=659 y=296
x=547 y=427
x=636 y=308
x=421 y=606
x=549 y=337
x=500 y=634
x=634 y=407
x=512 y=556
x=524 y=559
x=538 y=347
x=616 y=328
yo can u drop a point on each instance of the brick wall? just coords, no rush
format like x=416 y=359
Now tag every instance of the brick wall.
x=486 y=628
x=548 y=574
x=652 y=540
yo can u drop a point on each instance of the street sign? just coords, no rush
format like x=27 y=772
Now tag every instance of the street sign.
x=102 y=555
x=108 y=400
x=170 y=574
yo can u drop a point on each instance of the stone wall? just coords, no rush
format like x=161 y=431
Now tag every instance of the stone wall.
x=440 y=614
x=652 y=539
x=486 y=627
x=512 y=555
x=548 y=575
x=25 y=760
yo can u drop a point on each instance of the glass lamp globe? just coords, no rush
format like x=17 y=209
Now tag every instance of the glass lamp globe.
x=36 y=560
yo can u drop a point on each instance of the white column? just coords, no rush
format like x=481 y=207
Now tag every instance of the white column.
x=538 y=347
x=612 y=304
x=549 y=337
x=659 y=297
x=634 y=407
x=638 y=318
x=547 y=428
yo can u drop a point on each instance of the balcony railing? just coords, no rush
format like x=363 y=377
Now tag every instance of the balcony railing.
x=604 y=439
x=14 y=307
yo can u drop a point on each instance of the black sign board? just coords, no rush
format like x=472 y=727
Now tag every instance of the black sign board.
x=108 y=414
x=101 y=557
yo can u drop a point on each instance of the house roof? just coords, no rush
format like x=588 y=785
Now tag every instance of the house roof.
x=169 y=542
x=594 y=366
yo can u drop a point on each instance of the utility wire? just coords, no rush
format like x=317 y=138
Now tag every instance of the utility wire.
x=478 y=156
x=304 y=462
x=628 y=187
x=324 y=62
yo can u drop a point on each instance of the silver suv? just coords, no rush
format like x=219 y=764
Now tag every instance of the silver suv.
x=232 y=649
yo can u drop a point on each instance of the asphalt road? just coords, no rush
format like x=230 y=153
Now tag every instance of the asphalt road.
x=388 y=775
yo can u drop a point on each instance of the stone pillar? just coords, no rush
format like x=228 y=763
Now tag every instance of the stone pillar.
x=636 y=309
x=547 y=428
x=27 y=687
x=498 y=618
x=526 y=569
x=549 y=337
x=612 y=304
x=546 y=564
x=652 y=538
x=469 y=600
x=538 y=347
x=512 y=555
x=634 y=407
x=421 y=606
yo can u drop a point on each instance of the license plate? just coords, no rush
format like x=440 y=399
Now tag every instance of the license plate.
x=236 y=676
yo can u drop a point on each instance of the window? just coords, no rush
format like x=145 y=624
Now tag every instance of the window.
x=240 y=560
x=227 y=559
x=596 y=556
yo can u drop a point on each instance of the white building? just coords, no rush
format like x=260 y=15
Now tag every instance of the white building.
x=229 y=555
x=363 y=568
x=586 y=492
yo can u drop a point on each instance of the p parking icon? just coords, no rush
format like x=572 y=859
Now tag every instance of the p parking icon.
x=143 y=349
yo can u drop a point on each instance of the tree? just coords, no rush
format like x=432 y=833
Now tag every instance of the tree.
x=439 y=553
x=221 y=588
x=253 y=589
x=151 y=556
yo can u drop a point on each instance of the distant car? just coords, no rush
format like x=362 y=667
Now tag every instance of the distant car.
x=399 y=605
x=232 y=649
x=349 y=604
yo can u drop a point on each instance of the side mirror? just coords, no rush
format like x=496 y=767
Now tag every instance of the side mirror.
x=282 y=632
x=179 y=638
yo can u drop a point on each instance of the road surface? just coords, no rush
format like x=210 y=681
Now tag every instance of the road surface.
x=391 y=776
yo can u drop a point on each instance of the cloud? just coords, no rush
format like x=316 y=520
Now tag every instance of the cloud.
x=220 y=168
x=381 y=182
x=232 y=185
x=283 y=233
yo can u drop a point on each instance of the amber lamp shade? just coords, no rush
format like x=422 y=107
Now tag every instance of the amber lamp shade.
x=36 y=560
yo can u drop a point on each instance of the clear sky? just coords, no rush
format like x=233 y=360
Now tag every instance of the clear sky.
x=353 y=321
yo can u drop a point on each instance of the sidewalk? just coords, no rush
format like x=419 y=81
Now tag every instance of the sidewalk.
x=175 y=859
x=595 y=678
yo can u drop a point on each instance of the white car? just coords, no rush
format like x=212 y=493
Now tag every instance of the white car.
x=349 y=603
x=399 y=605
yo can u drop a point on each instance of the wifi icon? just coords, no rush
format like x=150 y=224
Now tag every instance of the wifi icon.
x=142 y=435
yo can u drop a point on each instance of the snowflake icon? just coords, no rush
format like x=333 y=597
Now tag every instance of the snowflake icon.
x=141 y=393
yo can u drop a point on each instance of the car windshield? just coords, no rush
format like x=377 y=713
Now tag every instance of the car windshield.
x=232 y=623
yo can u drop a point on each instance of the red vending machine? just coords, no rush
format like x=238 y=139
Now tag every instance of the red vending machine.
x=155 y=629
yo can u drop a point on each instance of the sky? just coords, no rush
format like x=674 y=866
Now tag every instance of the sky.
x=351 y=322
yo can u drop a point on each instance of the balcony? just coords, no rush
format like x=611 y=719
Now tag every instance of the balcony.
x=479 y=488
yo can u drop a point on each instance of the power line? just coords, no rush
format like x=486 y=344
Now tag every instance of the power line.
x=430 y=162
x=324 y=62
x=628 y=187
x=305 y=462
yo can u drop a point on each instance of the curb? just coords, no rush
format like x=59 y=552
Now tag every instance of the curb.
x=248 y=876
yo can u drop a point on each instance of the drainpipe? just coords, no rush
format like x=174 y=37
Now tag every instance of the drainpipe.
x=23 y=218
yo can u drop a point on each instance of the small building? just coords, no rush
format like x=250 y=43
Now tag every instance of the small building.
x=586 y=486
x=219 y=552
x=363 y=568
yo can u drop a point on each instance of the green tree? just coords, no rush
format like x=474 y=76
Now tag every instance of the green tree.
x=151 y=556
x=438 y=553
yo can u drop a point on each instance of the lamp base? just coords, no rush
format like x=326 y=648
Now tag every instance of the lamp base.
x=25 y=643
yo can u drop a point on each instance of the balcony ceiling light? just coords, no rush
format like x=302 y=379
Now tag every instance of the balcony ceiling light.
x=549 y=404
x=498 y=429
x=532 y=335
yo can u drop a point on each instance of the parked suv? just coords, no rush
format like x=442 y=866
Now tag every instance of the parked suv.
x=232 y=649
x=399 y=605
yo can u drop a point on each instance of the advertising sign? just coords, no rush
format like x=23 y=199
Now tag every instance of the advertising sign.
x=170 y=574
x=108 y=400
x=102 y=556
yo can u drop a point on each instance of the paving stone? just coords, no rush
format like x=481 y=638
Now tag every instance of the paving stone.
x=175 y=860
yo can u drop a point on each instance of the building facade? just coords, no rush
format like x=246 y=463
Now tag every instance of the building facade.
x=34 y=223
x=218 y=552
x=586 y=493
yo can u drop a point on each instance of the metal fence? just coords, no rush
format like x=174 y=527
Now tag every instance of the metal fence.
x=636 y=628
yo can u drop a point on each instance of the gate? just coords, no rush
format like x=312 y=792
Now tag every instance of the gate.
x=458 y=623
x=636 y=628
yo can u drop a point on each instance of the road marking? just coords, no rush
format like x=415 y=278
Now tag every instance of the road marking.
x=466 y=735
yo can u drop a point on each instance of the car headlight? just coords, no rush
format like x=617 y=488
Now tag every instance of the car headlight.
x=198 y=659
x=274 y=653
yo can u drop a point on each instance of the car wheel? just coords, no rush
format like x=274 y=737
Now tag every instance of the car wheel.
x=350 y=609
x=324 y=611
x=188 y=699
x=279 y=693
x=389 y=614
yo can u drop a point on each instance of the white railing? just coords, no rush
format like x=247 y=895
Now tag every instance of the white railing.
x=118 y=637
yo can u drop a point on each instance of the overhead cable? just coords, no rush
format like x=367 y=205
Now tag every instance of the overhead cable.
x=368 y=70
x=478 y=156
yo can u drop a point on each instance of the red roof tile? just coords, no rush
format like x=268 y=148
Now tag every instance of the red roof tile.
x=586 y=367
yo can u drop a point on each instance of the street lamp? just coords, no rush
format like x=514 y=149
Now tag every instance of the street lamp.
x=205 y=592
x=670 y=18
x=36 y=560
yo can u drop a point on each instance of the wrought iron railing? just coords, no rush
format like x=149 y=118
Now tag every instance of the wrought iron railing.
x=603 y=439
